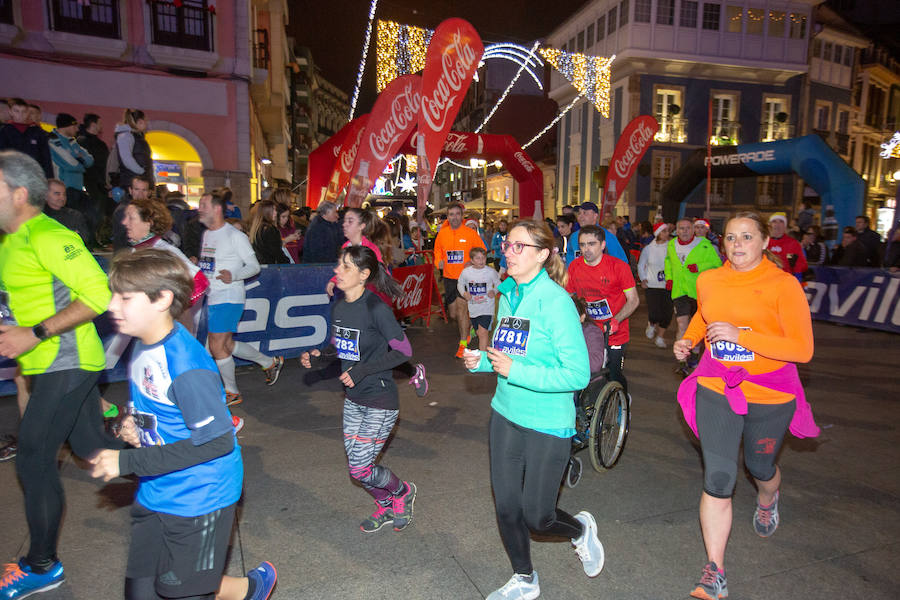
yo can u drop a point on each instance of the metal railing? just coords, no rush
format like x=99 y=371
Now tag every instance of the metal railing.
x=99 y=18
x=186 y=26
x=671 y=131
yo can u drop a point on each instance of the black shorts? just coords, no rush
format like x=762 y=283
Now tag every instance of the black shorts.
x=659 y=306
x=685 y=306
x=482 y=321
x=450 y=291
x=184 y=555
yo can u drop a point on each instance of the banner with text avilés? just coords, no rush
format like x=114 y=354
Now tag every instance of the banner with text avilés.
x=630 y=149
x=392 y=119
x=346 y=157
x=450 y=62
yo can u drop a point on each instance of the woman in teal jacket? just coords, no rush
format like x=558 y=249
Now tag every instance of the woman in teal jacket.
x=540 y=357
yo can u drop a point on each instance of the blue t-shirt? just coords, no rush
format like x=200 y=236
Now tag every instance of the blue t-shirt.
x=177 y=394
x=613 y=248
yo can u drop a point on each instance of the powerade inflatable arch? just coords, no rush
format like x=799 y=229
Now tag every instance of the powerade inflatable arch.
x=459 y=145
x=839 y=186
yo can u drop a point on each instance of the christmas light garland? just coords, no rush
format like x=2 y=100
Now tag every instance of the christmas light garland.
x=554 y=121
x=365 y=54
x=509 y=88
x=589 y=74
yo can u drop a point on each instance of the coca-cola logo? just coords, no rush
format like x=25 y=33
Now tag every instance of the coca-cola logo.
x=637 y=145
x=412 y=291
x=455 y=143
x=404 y=111
x=523 y=160
x=349 y=157
x=457 y=61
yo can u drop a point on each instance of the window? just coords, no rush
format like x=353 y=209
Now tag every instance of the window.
x=798 y=26
x=720 y=191
x=826 y=51
x=590 y=35
x=768 y=191
x=6 y=11
x=838 y=53
x=817 y=48
x=663 y=165
x=688 y=14
x=665 y=12
x=755 y=21
x=99 y=18
x=579 y=47
x=875 y=106
x=186 y=26
x=725 y=125
x=734 y=16
x=574 y=197
x=642 y=10
x=571 y=45
x=601 y=28
x=776 y=23
x=611 y=20
x=261 y=49
x=774 y=119
x=843 y=121
x=666 y=108
x=712 y=14
x=848 y=56
x=823 y=113
x=623 y=13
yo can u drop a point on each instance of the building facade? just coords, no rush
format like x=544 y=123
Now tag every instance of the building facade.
x=210 y=76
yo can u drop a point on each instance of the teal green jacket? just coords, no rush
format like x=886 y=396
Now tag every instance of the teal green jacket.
x=684 y=282
x=538 y=392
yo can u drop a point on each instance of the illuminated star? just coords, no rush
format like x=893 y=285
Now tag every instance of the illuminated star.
x=407 y=184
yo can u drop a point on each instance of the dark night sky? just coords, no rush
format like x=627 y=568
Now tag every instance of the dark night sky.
x=335 y=29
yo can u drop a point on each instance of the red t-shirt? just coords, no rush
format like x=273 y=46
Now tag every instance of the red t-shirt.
x=788 y=249
x=603 y=287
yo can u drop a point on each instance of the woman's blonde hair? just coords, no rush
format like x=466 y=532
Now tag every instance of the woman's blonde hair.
x=131 y=116
x=541 y=235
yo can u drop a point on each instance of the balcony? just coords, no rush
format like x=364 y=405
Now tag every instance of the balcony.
x=725 y=133
x=261 y=49
x=187 y=26
x=671 y=131
x=774 y=130
x=99 y=18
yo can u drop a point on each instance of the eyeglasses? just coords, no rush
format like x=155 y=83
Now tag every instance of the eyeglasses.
x=517 y=247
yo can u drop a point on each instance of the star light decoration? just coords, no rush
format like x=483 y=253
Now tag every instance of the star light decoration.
x=589 y=74
x=407 y=184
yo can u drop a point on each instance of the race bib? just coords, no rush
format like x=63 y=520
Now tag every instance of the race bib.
x=208 y=265
x=346 y=341
x=455 y=257
x=477 y=289
x=598 y=310
x=731 y=352
x=660 y=276
x=6 y=316
x=511 y=336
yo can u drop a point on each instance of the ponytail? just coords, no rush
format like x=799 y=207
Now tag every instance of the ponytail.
x=541 y=235
x=363 y=257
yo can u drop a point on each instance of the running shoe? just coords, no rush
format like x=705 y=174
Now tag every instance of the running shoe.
x=765 y=519
x=238 y=423
x=232 y=398
x=651 y=329
x=712 y=584
x=378 y=519
x=9 y=451
x=419 y=380
x=461 y=350
x=274 y=371
x=264 y=577
x=403 y=507
x=588 y=546
x=19 y=581
x=519 y=587
x=660 y=343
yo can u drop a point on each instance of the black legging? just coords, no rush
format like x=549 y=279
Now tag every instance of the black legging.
x=615 y=362
x=64 y=405
x=526 y=469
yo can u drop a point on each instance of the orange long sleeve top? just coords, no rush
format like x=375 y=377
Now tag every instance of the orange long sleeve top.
x=770 y=308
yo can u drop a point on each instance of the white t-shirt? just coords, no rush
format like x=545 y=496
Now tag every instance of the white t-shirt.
x=226 y=248
x=652 y=264
x=162 y=244
x=479 y=282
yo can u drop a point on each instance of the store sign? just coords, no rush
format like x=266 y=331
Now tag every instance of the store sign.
x=168 y=172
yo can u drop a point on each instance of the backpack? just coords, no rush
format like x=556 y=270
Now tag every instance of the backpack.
x=112 y=165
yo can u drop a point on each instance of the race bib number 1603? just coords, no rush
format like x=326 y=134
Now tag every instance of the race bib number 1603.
x=511 y=336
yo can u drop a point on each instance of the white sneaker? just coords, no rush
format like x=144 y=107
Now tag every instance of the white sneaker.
x=651 y=329
x=518 y=588
x=660 y=343
x=588 y=546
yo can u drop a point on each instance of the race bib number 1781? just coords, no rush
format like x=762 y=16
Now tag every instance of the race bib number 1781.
x=511 y=336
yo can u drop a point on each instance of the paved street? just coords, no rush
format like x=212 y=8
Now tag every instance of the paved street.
x=839 y=538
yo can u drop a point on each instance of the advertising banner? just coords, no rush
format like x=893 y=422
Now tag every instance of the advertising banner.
x=630 y=149
x=860 y=297
x=392 y=119
x=321 y=165
x=420 y=293
x=340 y=174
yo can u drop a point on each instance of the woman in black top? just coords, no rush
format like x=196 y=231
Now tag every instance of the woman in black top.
x=264 y=235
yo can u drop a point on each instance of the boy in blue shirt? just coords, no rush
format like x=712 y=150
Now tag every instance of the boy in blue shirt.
x=185 y=454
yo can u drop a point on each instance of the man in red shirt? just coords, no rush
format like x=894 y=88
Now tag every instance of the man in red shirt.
x=607 y=285
x=786 y=248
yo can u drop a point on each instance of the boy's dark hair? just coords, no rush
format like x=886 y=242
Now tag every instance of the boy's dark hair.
x=152 y=271
x=477 y=250
x=89 y=119
x=217 y=198
x=16 y=102
x=594 y=230
x=568 y=219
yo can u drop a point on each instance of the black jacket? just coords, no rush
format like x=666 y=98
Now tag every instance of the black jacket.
x=267 y=246
x=33 y=142
x=322 y=241
x=95 y=175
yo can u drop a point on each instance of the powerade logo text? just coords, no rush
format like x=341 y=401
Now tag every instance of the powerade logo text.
x=740 y=158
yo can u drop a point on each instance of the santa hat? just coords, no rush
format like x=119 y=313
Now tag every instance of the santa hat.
x=702 y=222
x=472 y=223
x=657 y=228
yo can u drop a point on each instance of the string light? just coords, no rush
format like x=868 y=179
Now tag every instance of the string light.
x=365 y=54
x=519 y=55
x=589 y=74
x=400 y=50
x=509 y=88
x=554 y=121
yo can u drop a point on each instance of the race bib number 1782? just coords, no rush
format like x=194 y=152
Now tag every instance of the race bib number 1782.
x=511 y=336
x=346 y=342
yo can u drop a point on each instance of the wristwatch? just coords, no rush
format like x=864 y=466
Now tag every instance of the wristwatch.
x=40 y=332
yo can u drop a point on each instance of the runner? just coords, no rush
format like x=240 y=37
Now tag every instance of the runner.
x=651 y=272
x=451 y=247
x=607 y=285
x=540 y=357
x=787 y=249
x=478 y=284
x=686 y=257
x=756 y=323
x=227 y=259
x=185 y=453
x=369 y=343
x=51 y=288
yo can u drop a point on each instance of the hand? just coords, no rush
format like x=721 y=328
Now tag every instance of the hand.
x=224 y=275
x=492 y=293
x=668 y=285
x=720 y=331
x=471 y=361
x=644 y=283
x=105 y=465
x=15 y=341
x=693 y=268
x=128 y=432
x=614 y=326
x=467 y=296
x=329 y=288
x=346 y=379
x=682 y=348
x=304 y=358
x=499 y=361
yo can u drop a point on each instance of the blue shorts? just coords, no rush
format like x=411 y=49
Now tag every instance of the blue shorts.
x=224 y=318
x=482 y=321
